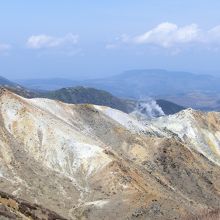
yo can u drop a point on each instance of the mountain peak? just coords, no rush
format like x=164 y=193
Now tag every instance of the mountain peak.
x=187 y=112
x=200 y=130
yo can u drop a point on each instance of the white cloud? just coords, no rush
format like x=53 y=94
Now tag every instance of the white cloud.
x=46 y=41
x=168 y=35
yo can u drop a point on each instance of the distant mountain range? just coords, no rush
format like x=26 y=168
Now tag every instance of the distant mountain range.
x=186 y=89
x=47 y=84
x=82 y=95
x=137 y=83
x=5 y=82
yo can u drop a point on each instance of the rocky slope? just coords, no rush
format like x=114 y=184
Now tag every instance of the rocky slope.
x=14 y=208
x=199 y=130
x=94 y=162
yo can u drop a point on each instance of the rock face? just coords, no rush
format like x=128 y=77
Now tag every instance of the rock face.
x=94 y=162
x=14 y=208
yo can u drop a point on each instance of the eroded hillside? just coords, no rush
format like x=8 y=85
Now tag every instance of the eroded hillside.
x=92 y=162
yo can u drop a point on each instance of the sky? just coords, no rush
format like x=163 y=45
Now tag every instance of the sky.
x=92 y=39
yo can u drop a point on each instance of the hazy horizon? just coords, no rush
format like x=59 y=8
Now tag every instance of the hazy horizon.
x=75 y=78
x=84 y=40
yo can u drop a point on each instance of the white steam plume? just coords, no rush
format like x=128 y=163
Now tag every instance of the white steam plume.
x=148 y=109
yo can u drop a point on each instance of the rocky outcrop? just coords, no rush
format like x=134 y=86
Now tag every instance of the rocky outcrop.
x=15 y=208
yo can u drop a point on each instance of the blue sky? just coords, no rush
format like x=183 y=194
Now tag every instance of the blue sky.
x=89 y=39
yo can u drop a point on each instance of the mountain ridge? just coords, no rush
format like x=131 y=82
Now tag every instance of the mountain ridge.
x=198 y=91
x=83 y=95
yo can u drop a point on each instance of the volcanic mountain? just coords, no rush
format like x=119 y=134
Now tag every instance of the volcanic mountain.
x=94 y=162
x=86 y=95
